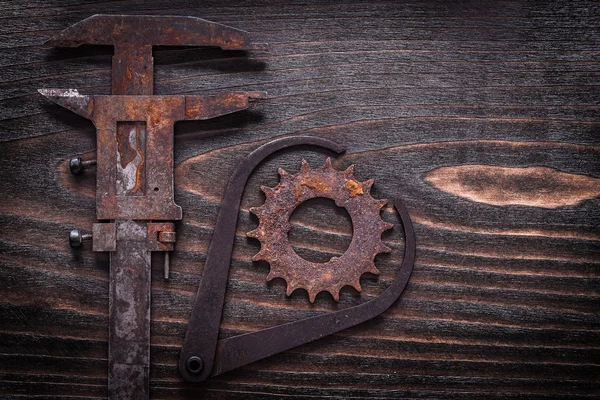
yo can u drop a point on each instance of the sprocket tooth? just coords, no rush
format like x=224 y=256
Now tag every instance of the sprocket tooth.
x=305 y=167
x=367 y=184
x=381 y=203
x=312 y=295
x=258 y=211
x=283 y=174
x=373 y=269
x=327 y=165
x=273 y=274
x=268 y=191
x=254 y=234
x=335 y=293
x=290 y=289
x=383 y=249
x=261 y=255
x=386 y=226
x=356 y=285
x=349 y=172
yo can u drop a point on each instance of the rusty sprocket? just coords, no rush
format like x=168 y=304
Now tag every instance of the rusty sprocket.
x=347 y=192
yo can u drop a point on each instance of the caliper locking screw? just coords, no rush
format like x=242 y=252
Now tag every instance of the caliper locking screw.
x=167 y=237
x=76 y=238
x=77 y=165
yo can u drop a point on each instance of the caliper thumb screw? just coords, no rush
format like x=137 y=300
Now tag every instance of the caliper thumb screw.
x=77 y=165
x=76 y=238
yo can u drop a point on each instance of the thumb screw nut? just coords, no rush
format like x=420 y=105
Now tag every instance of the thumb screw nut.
x=76 y=165
x=76 y=238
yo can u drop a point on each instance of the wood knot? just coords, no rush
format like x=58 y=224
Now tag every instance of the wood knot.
x=500 y=186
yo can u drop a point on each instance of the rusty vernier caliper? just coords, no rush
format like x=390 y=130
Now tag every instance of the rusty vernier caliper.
x=134 y=193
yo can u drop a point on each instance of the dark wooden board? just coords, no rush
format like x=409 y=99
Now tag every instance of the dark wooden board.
x=482 y=116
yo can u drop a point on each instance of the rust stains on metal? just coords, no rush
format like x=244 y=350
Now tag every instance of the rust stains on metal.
x=162 y=30
x=354 y=188
x=142 y=188
x=135 y=165
x=161 y=236
x=134 y=35
x=206 y=107
x=71 y=99
x=347 y=192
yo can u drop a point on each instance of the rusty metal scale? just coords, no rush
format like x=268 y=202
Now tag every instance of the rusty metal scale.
x=135 y=206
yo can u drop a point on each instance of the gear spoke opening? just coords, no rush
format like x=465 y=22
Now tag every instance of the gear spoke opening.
x=316 y=211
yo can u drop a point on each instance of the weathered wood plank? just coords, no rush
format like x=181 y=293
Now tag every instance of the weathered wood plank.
x=482 y=117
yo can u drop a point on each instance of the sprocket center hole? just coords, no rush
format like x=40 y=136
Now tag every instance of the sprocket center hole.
x=320 y=230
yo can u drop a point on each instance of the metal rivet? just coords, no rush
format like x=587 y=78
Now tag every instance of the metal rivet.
x=194 y=364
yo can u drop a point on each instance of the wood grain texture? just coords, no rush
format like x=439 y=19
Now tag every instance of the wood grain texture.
x=496 y=100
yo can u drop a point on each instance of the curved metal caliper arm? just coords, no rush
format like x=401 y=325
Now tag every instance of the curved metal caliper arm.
x=203 y=355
